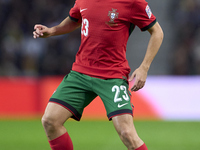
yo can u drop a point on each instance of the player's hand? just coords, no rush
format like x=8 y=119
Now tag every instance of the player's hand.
x=140 y=76
x=41 y=31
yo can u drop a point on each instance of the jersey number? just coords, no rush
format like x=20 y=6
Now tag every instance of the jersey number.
x=85 y=27
x=117 y=90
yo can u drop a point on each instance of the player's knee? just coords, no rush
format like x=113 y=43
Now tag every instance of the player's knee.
x=126 y=134
x=48 y=123
x=128 y=137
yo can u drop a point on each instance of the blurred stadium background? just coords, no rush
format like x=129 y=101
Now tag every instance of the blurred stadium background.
x=167 y=109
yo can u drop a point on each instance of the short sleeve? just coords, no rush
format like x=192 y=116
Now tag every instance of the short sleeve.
x=74 y=13
x=141 y=15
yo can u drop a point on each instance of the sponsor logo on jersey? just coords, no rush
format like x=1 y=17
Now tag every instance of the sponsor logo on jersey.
x=148 y=11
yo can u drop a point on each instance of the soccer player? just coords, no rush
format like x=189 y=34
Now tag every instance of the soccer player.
x=101 y=68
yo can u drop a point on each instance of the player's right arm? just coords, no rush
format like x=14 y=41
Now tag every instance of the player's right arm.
x=66 y=26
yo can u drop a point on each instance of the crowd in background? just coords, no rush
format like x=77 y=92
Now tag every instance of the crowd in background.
x=21 y=55
x=185 y=15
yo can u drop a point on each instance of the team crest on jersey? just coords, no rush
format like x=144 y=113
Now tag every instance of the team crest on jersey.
x=148 y=11
x=113 y=15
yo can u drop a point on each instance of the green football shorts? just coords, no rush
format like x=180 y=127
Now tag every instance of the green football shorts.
x=77 y=90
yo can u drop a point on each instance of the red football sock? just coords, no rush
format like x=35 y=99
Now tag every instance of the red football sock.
x=143 y=147
x=63 y=142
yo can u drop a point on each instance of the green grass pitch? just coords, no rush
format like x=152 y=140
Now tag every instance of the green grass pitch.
x=100 y=135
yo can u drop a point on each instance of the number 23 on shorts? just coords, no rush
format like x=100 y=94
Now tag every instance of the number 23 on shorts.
x=119 y=98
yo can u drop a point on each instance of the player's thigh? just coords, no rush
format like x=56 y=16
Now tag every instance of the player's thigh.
x=74 y=93
x=56 y=114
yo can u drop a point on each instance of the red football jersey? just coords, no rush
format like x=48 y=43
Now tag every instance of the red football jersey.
x=106 y=26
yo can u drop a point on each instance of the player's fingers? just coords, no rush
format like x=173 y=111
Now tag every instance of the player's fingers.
x=35 y=35
x=39 y=32
x=134 y=88
x=132 y=77
x=138 y=85
x=38 y=26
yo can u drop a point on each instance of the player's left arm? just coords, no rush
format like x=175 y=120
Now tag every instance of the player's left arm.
x=140 y=74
